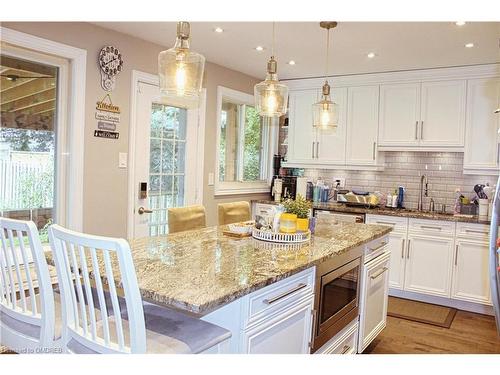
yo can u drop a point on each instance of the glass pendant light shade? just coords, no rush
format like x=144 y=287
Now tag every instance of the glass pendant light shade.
x=180 y=69
x=271 y=96
x=325 y=112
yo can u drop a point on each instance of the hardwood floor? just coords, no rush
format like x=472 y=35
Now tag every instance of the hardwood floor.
x=469 y=334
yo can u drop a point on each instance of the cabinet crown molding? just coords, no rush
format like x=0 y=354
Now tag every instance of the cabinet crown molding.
x=421 y=75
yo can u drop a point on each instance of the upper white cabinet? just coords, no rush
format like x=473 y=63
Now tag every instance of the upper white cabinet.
x=422 y=116
x=301 y=134
x=331 y=145
x=399 y=114
x=482 y=125
x=362 y=125
x=442 y=113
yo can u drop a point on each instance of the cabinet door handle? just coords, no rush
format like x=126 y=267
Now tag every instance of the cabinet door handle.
x=403 y=249
x=382 y=244
x=422 y=129
x=428 y=227
x=475 y=231
x=456 y=254
x=408 y=253
x=379 y=273
x=416 y=130
x=312 y=153
x=317 y=150
x=283 y=295
x=374 y=145
x=345 y=349
x=385 y=223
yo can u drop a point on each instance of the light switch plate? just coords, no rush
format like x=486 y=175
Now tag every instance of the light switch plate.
x=122 y=160
x=211 y=179
x=342 y=181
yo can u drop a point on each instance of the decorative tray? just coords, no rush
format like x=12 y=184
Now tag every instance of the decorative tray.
x=266 y=235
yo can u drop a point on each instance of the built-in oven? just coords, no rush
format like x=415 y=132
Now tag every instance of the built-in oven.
x=337 y=296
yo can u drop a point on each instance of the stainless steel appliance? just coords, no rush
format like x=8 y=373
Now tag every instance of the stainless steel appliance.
x=494 y=255
x=337 y=296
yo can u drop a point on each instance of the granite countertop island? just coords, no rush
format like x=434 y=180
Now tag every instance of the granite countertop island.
x=202 y=270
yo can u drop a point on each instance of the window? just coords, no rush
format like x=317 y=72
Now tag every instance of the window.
x=243 y=145
x=167 y=163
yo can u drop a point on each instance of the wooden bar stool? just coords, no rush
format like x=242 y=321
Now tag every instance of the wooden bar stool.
x=186 y=218
x=234 y=212
x=28 y=322
x=103 y=309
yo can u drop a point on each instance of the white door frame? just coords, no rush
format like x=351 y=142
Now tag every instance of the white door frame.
x=153 y=79
x=72 y=145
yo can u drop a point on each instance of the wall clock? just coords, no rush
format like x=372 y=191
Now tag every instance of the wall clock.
x=111 y=64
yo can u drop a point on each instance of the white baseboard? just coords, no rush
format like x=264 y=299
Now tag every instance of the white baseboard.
x=460 y=305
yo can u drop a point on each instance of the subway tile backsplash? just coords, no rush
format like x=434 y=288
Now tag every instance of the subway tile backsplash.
x=443 y=170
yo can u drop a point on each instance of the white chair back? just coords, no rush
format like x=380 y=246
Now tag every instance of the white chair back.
x=86 y=265
x=25 y=327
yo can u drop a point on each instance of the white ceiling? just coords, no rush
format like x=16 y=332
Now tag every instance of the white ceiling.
x=398 y=45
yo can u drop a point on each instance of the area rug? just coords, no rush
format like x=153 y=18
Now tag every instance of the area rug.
x=421 y=312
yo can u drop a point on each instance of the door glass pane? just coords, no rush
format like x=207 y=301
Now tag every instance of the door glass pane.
x=167 y=164
x=27 y=141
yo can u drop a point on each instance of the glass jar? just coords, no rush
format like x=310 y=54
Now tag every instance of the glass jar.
x=288 y=223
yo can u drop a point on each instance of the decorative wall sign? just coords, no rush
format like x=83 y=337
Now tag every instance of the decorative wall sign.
x=111 y=64
x=106 y=126
x=106 y=110
x=106 y=134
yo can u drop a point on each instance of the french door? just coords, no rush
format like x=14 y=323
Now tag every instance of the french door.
x=166 y=160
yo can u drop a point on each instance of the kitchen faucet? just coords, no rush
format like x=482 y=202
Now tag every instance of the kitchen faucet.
x=423 y=180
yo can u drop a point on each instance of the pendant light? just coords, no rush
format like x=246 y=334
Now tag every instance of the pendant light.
x=180 y=69
x=271 y=96
x=325 y=112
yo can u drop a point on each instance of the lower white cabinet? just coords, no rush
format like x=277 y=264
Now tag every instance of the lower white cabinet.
x=470 y=271
x=373 y=299
x=288 y=333
x=397 y=246
x=428 y=265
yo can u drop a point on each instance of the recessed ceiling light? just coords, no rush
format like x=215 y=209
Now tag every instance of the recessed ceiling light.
x=469 y=45
x=218 y=29
x=259 y=48
x=371 y=55
x=291 y=62
x=460 y=23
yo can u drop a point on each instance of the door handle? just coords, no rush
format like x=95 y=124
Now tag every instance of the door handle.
x=403 y=249
x=422 y=129
x=379 y=273
x=346 y=348
x=456 y=254
x=312 y=153
x=382 y=244
x=408 y=253
x=142 y=210
x=317 y=150
x=374 y=145
x=283 y=295
x=416 y=130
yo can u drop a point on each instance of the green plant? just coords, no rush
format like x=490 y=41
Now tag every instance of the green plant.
x=300 y=206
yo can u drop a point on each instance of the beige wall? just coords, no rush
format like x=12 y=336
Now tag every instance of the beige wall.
x=105 y=185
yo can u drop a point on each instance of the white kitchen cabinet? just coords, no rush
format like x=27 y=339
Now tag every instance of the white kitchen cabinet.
x=422 y=116
x=344 y=342
x=442 y=116
x=362 y=125
x=397 y=246
x=470 y=272
x=481 y=152
x=331 y=147
x=399 y=114
x=288 y=333
x=302 y=143
x=373 y=300
x=428 y=264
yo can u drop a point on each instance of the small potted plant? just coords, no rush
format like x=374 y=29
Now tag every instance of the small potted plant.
x=299 y=207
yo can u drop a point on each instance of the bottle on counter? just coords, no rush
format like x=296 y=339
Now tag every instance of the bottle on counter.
x=388 y=202
x=394 y=199
x=401 y=195
x=309 y=191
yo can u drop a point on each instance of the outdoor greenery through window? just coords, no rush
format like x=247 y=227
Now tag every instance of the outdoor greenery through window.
x=241 y=143
x=27 y=141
